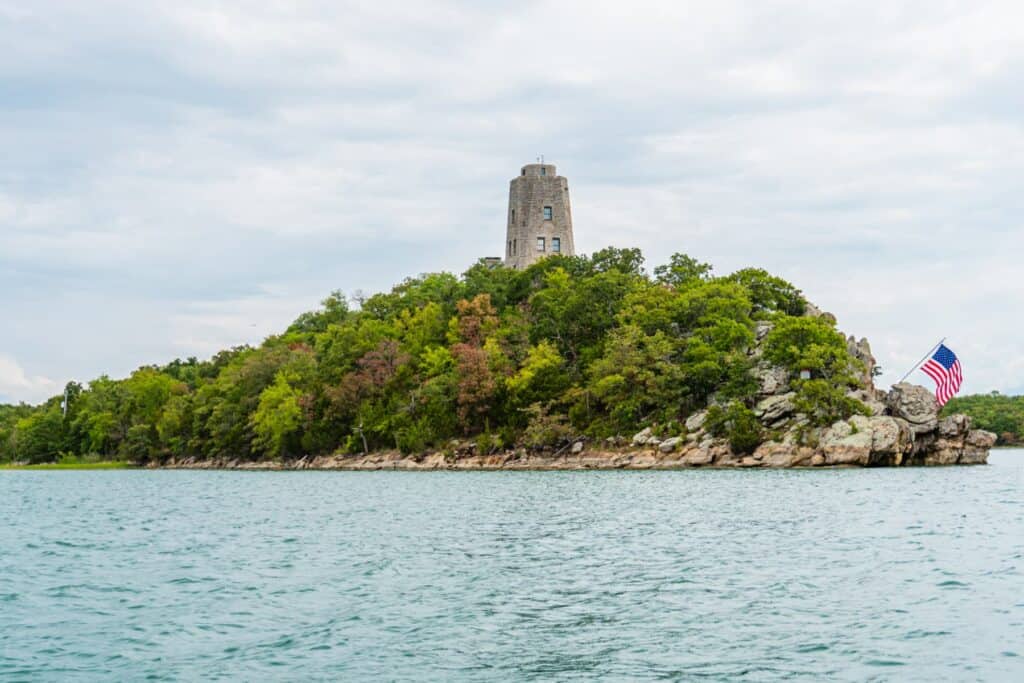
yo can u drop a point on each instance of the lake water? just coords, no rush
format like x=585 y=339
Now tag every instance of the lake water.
x=913 y=574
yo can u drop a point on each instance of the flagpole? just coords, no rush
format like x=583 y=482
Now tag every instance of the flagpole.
x=923 y=359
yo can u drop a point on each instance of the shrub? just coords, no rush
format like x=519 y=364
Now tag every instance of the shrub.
x=738 y=424
x=825 y=403
x=544 y=430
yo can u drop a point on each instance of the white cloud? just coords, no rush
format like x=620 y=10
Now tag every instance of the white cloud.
x=15 y=383
x=171 y=174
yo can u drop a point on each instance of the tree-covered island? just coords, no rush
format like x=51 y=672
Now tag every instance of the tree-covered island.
x=1000 y=414
x=573 y=362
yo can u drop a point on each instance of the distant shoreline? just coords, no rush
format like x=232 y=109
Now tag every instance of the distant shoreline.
x=112 y=465
x=510 y=461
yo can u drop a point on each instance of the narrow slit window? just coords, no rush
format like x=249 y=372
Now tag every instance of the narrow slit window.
x=513 y=216
x=543 y=170
x=540 y=244
x=547 y=213
x=514 y=245
x=556 y=245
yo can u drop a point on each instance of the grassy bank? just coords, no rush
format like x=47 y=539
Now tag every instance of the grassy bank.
x=115 y=465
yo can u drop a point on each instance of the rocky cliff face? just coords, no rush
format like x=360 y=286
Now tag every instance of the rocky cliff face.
x=903 y=428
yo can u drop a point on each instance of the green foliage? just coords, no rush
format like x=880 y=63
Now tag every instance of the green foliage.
x=737 y=423
x=682 y=270
x=277 y=417
x=569 y=346
x=1002 y=415
x=545 y=429
x=810 y=344
x=825 y=403
x=768 y=293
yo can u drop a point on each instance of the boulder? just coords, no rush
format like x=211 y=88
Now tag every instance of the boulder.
x=944 y=452
x=669 y=445
x=776 y=454
x=976 y=447
x=698 y=456
x=954 y=426
x=771 y=379
x=890 y=436
x=774 y=408
x=577 y=447
x=841 y=445
x=916 y=405
x=695 y=422
x=640 y=438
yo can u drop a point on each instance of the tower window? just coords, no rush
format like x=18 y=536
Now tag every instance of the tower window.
x=547 y=213
x=556 y=244
x=513 y=216
x=514 y=246
x=543 y=170
x=524 y=171
x=540 y=244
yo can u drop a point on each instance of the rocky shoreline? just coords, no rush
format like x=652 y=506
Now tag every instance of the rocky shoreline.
x=905 y=430
x=902 y=428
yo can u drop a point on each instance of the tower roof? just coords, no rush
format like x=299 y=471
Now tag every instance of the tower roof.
x=539 y=170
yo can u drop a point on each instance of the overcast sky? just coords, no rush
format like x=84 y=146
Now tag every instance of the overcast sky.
x=179 y=180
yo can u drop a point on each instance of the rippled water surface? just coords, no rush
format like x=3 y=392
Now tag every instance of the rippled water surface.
x=913 y=574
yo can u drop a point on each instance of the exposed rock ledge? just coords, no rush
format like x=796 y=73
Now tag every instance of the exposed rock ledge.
x=904 y=428
x=906 y=431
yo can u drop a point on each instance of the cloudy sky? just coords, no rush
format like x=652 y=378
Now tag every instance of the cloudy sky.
x=178 y=180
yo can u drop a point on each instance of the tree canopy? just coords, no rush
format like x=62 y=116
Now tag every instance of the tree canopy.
x=569 y=346
x=995 y=412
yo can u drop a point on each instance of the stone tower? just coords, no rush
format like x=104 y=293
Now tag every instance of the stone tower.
x=539 y=216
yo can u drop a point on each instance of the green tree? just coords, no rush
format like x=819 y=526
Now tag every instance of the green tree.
x=277 y=417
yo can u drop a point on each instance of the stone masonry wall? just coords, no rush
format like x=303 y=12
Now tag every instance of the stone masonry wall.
x=537 y=186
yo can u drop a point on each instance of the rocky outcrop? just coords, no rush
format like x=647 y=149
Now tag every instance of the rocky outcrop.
x=916 y=405
x=902 y=428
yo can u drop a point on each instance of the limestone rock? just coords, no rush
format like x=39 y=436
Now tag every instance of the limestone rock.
x=916 y=405
x=771 y=379
x=695 y=422
x=773 y=408
x=669 y=445
x=861 y=350
x=640 y=438
x=954 y=425
x=873 y=399
x=761 y=330
x=698 y=457
x=812 y=311
x=841 y=445
x=577 y=447
x=776 y=454
x=889 y=435
x=977 y=444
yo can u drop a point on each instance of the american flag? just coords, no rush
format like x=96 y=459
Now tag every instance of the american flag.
x=944 y=368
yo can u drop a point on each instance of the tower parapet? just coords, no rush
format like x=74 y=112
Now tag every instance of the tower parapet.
x=539 y=216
